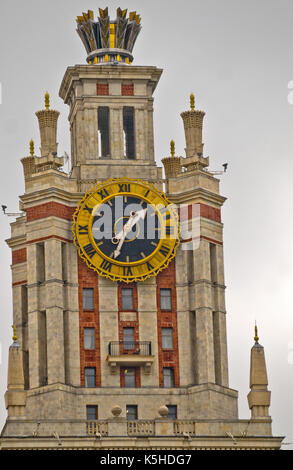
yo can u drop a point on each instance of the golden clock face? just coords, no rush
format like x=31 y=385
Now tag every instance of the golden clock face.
x=126 y=230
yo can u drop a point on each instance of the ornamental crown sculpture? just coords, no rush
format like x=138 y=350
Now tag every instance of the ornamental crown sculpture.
x=109 y=41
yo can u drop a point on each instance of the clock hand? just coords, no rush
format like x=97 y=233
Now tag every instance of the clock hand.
x=133 y=219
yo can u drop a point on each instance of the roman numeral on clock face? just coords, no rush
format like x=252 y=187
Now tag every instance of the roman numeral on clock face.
x=83 y=229
x=164 y=250
x=89 y=249
x=169 y=230
x=103 y=193
x=106 y=265
x=127 y=271
x=124 y=187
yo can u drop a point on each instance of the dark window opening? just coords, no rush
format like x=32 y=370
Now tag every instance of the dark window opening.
x=129 y=377
x=88 y=299
x=90 y=377
x=167 y=338
x=131 y=412
x=128 y=338
x=168 y=374
x=127 y=299
x=89 y=338
x=128 y=128
x=172 y=411
x=165 y=299
x=91 y=412
x=103 y=132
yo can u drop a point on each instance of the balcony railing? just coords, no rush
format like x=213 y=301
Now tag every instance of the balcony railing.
x=97 y=427
x=141 y=428
x=138 y=348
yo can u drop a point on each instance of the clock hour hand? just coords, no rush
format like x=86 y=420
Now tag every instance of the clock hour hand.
x=133 y=219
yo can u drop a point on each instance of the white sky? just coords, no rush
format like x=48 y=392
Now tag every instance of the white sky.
x=236 y=56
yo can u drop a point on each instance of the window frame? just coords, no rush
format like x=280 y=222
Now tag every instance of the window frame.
x=171 y=376
x=174 y=415
x=90 y=376
x=85 y=298
x=169 y=290
x=135 y=409
x=93 y=338
x=96 y=412
x=124 y=290
x=168 y=337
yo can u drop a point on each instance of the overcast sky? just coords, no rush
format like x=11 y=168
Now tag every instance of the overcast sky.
x=236 y=56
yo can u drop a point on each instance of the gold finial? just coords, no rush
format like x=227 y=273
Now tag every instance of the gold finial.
x=172 y=147
x=47 y=100
x=192 y=102
x=32 y=147
x=14 y=337
x=256 y=338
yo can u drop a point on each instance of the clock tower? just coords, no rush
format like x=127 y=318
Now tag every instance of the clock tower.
x=118 y=275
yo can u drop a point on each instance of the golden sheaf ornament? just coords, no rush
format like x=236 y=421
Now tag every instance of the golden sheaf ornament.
x=126 y=230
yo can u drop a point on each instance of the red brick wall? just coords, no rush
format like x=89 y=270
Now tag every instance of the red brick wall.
x=48 y=209
x=168 y=319
x=202 y=210
x=102 y=89
x=127 y=90
x=87 y=278
x=130 y=324
x=19 y=256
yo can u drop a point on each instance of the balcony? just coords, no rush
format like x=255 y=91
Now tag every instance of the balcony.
x=130 y=353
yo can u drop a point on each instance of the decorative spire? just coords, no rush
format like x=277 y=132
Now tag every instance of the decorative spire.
x=256 y=338
x=14 y=337
x=192 y=102
x=172 y=148
x=47 y=100
x=32 y=148
x=109 y=41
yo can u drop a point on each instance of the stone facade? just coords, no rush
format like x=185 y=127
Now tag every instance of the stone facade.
x=47 y=396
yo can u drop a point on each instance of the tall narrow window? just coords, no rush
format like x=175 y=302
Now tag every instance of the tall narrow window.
x=103 y=132
x=129 y=377
x=165 y=299
x=127 y=298
x=89 y=338
x=128 y=127
x=90 y=377
x=167 y=338
x=168 y=375
x=91 y=412
x=40 y=262
x=88 y=299
x=131 y=412
x=128 y=338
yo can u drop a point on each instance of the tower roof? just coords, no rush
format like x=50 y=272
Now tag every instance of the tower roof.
x=109 y=41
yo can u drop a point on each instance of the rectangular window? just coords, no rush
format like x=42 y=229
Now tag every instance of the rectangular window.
x=90 y=377
x=89 y=338
x=129 y=377
x=165 y=299
x=103 y=132
x=167 y=338
x=172 y=411
x=91 y=412
x=127 y=299
x=88 y=299
x=131 y=412
x=128 y=128
x=168 y=374
x=128 y=338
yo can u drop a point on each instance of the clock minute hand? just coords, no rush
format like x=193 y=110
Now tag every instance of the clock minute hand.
x=133 y=219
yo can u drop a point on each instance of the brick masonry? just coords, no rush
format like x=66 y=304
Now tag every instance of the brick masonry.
x=102 y=89
x=168 y=319
x=48 y=209
x=127 y=90
x=19 y=256
x=88 y=278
